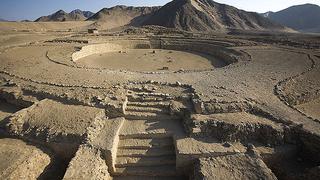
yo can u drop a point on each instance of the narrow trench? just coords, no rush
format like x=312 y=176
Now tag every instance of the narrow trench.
x=293 y=164
x=59 y=162
x=56 y=169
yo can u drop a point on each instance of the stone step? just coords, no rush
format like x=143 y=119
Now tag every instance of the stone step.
x=153 y=94
x=152 y=152
x=145 y=161
x=147 y=109
x=134 y=98
x=147 y=115
x=163 y=104
x=147 y=171
x=136 y=135
x=149 y=128
x=140 y=90
x=144 y=143
x=149 y=178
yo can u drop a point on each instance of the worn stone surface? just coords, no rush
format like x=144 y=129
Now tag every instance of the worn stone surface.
x=19 y=160
x=238 y=127
x=240 y=166
x=87 y=164
x=53 y=118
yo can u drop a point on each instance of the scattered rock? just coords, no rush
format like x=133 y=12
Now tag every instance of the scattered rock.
x=227 y=144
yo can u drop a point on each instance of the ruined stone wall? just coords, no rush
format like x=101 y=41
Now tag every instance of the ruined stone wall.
x=95 y=49
x=227 y=55
x=216 y=50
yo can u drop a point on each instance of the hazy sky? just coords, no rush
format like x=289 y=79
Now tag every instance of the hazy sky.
x=32 y=9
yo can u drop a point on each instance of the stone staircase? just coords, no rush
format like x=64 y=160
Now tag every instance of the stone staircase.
x=148 y=106
x=147 y=156
x=146 y=148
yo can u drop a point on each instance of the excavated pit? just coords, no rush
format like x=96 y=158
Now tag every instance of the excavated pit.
x=151 y=60
x=150 y=56
x=6 y=109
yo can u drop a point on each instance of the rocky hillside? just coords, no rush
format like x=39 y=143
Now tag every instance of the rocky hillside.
x=122 y=15
x=86 y=14
x=60 y=16
x=207 y=15
x=305 y=18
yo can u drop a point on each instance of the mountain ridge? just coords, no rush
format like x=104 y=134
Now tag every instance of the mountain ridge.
x=121 y=15
x=189 y=15
x=207 y=15
x=304 y=18
x=60 y=16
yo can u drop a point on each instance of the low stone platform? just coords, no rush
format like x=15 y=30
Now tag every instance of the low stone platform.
x=19 y=160
x=240 y=166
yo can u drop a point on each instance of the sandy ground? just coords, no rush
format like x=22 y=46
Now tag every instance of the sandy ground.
x=8 y=40
x=146 y=60
x=311 y=108
x=43 y=26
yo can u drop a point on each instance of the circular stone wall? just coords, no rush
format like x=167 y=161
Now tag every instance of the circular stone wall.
x=152 y=56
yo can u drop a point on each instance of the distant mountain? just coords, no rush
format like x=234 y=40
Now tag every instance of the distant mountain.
x=267 y=14
x=3 y=20
x=189 y=15
x=207 y=15
x=122 y=15
x=304 y=18
x=86 y=14
x=60 y=16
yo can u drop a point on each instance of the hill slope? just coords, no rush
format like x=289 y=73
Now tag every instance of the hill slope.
x=86 y=14
x=207 y=15
x=60 y=16
x=122 y=15
x=305 y=18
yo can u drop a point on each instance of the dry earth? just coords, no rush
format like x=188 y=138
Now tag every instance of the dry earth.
x=151 y=60
x=81 y=106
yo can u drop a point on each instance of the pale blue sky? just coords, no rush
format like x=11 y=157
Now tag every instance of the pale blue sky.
x=32 y=9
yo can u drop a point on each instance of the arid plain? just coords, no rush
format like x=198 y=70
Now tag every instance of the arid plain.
x=157 y=103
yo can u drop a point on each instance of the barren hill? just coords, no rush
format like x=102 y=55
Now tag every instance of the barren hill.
x=122 y=15
x=86 y=14
x=303 y=18
x=59 y=16
x=207 y=15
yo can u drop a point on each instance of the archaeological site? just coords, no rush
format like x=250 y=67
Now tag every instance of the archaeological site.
x=192 y=90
